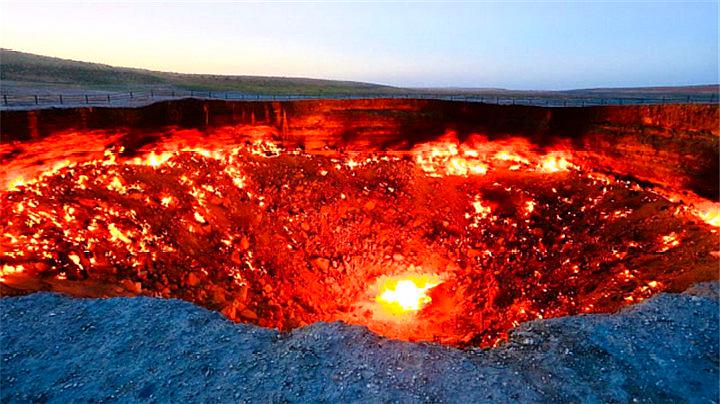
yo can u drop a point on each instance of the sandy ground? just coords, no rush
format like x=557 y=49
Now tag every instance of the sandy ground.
x=60 y=349
x=21 y=96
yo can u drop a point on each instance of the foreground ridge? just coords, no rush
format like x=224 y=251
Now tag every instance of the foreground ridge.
x=665 y=348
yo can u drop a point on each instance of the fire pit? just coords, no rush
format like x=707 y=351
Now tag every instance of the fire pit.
x=422 y=220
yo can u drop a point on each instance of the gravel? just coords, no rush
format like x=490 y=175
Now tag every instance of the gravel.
x=61 y=349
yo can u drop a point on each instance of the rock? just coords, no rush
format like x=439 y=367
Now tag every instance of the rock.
x=241 y=295
x=398 y=257
x=248 y=314
x=215 y=200
x=192 y=279
x=244 y=243
x=236 y=258
x=41 y=266
x=472 y=253
x=229 y=312
x=218 y=295
x=322 y=264
x=136 y=196
x=133 y=287
x=233 y=310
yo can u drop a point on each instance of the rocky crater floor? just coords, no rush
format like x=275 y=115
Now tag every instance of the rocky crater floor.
x=62 y=349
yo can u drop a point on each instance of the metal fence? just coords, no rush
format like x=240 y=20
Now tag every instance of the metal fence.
x=147 y=96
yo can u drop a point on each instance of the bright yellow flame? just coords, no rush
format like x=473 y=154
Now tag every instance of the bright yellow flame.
x=199 y=218
x=554 y=164
x=116 y=234
x=669 y=241
x=166 y=201
x=710 y=215
x=529 y=207
x=155 y=160
x=16 y=183
x=406 y=294
x=9 y=270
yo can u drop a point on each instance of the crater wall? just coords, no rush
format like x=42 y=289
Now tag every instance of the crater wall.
x=672 y=146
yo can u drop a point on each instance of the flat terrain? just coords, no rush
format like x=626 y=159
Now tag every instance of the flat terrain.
x=25 y=73
x=59 y=349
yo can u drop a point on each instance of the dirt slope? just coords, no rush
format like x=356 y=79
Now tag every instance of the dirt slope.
x=59 y=349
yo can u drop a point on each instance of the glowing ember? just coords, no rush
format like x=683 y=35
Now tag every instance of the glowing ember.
x=529 y=207
x=407 y=294
x=669 y=241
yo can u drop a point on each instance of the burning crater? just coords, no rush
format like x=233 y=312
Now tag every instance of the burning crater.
x=300 y=214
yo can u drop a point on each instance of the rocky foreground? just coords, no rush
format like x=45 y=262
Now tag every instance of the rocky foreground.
x=60 y=349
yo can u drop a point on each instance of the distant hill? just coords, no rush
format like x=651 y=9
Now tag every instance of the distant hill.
x=705 y=89
x=25 y=68
x=699 y=89
x=25 y=73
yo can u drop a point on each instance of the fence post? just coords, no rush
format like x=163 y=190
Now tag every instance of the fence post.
x=108 y=98
x=87 y=101
x=192 y=93
x=5 y=99
x=60 y=97
x=152 y=93
x=688 y=99
x=131 y=94
x=173 y=93
x=36 y=99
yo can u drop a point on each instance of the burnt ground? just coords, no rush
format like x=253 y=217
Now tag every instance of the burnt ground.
x=60 y=349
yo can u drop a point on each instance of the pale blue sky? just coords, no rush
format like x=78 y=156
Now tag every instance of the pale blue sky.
x=518 y=45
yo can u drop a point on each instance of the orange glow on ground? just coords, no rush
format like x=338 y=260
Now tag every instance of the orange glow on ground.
x=218 y=220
